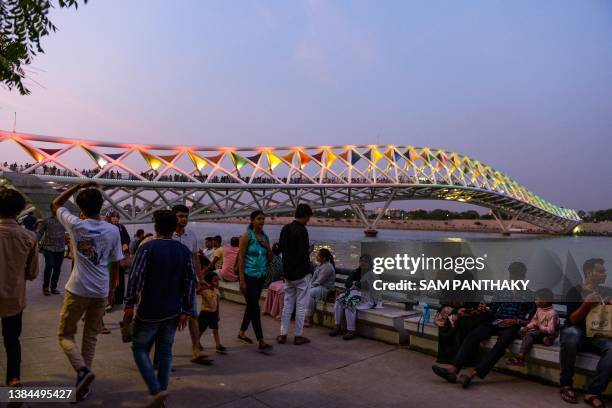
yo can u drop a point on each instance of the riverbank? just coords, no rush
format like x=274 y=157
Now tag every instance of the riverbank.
x=483 y=226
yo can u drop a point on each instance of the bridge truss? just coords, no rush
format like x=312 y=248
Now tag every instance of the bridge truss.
x=219 y=182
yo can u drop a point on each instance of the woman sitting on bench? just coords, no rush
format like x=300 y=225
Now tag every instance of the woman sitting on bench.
x=358 y=294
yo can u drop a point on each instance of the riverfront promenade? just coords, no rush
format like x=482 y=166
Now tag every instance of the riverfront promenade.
x=329 y=372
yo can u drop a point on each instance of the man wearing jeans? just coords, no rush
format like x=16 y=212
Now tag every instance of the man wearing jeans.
x=504 y=317
x=295 y=247
x=163 y=275
x=581 y=299
x=95 y=244
x=51 y=236
x=18 y=263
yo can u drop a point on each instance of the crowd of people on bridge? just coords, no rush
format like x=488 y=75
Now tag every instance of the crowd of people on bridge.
x=167 y=271
x=224 y=178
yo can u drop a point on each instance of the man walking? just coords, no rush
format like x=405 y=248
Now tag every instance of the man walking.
x=295 y=247
x=163 y=275
x=188 y=238
x=52 y=238
x=18 y=263
x=95 y=244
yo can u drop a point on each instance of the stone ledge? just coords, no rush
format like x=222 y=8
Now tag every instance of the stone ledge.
x=542 y=362
x=386 y=324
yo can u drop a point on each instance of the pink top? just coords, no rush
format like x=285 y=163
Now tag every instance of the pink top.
x=546 y=320
x=230 y=254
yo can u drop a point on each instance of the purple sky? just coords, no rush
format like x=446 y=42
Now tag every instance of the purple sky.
x=523 y=86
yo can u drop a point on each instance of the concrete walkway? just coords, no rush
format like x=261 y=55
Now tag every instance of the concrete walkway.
x=329 y=372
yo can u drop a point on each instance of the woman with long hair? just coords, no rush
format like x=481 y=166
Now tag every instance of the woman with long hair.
x=254 y=253
x=323 y=281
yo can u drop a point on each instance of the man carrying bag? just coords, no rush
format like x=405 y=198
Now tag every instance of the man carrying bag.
x=587 y=328
x=599 y=320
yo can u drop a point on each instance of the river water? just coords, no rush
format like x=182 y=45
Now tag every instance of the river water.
x=563 y=252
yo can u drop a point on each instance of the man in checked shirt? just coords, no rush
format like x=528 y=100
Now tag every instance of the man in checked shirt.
x=163 y=275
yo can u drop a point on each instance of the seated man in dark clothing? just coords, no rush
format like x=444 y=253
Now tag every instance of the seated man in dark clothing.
x=506 y=315
x=580 y=300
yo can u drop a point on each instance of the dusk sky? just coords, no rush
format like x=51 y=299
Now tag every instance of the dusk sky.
x=524 y=86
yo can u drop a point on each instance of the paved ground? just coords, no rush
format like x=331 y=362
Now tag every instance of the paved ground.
x=329 y=372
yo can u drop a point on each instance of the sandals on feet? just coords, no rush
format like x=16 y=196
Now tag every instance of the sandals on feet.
x=245 y=339
x=590 y=400
x=299 y=340
x=350 y=335
x=202 y=359
x=266 y=348
x=569 y=395
x=337 y=331
x=444 y=373
x=517 y=362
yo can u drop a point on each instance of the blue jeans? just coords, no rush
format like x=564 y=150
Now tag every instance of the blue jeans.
x=573 y=340
x=144 y=334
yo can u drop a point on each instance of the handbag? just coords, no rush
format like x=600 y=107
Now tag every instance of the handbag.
x=599 y=321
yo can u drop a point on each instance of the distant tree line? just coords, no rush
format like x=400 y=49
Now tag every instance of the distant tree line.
x=436 y=214
x=596 y=216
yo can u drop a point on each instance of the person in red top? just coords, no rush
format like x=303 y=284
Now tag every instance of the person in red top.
x=230 y=261
x=18 y=263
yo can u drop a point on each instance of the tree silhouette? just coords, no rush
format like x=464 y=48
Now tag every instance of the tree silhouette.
x=23 y=23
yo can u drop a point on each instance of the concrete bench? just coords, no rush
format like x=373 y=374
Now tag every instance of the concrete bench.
x=542 y=362
x=387 y=296
x=385 y=324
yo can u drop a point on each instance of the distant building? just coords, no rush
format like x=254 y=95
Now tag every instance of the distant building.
x=395 y=213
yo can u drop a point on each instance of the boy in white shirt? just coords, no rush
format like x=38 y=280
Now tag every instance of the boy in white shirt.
x=96 y=245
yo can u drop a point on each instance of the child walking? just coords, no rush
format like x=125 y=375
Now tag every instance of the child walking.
x=209 y=312
x=543 y=327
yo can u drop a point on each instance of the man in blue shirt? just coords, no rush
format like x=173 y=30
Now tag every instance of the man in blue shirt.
x=163 y=276
x=506 y=315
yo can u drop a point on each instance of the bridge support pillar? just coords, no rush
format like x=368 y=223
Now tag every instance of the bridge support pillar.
x=370 y=227
x=505 y=225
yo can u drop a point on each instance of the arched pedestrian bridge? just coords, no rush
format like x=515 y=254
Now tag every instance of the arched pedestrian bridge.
x=218 y=182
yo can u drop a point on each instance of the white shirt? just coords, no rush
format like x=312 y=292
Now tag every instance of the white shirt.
x=95 y=244
x=188 y=238
x=208 y=253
